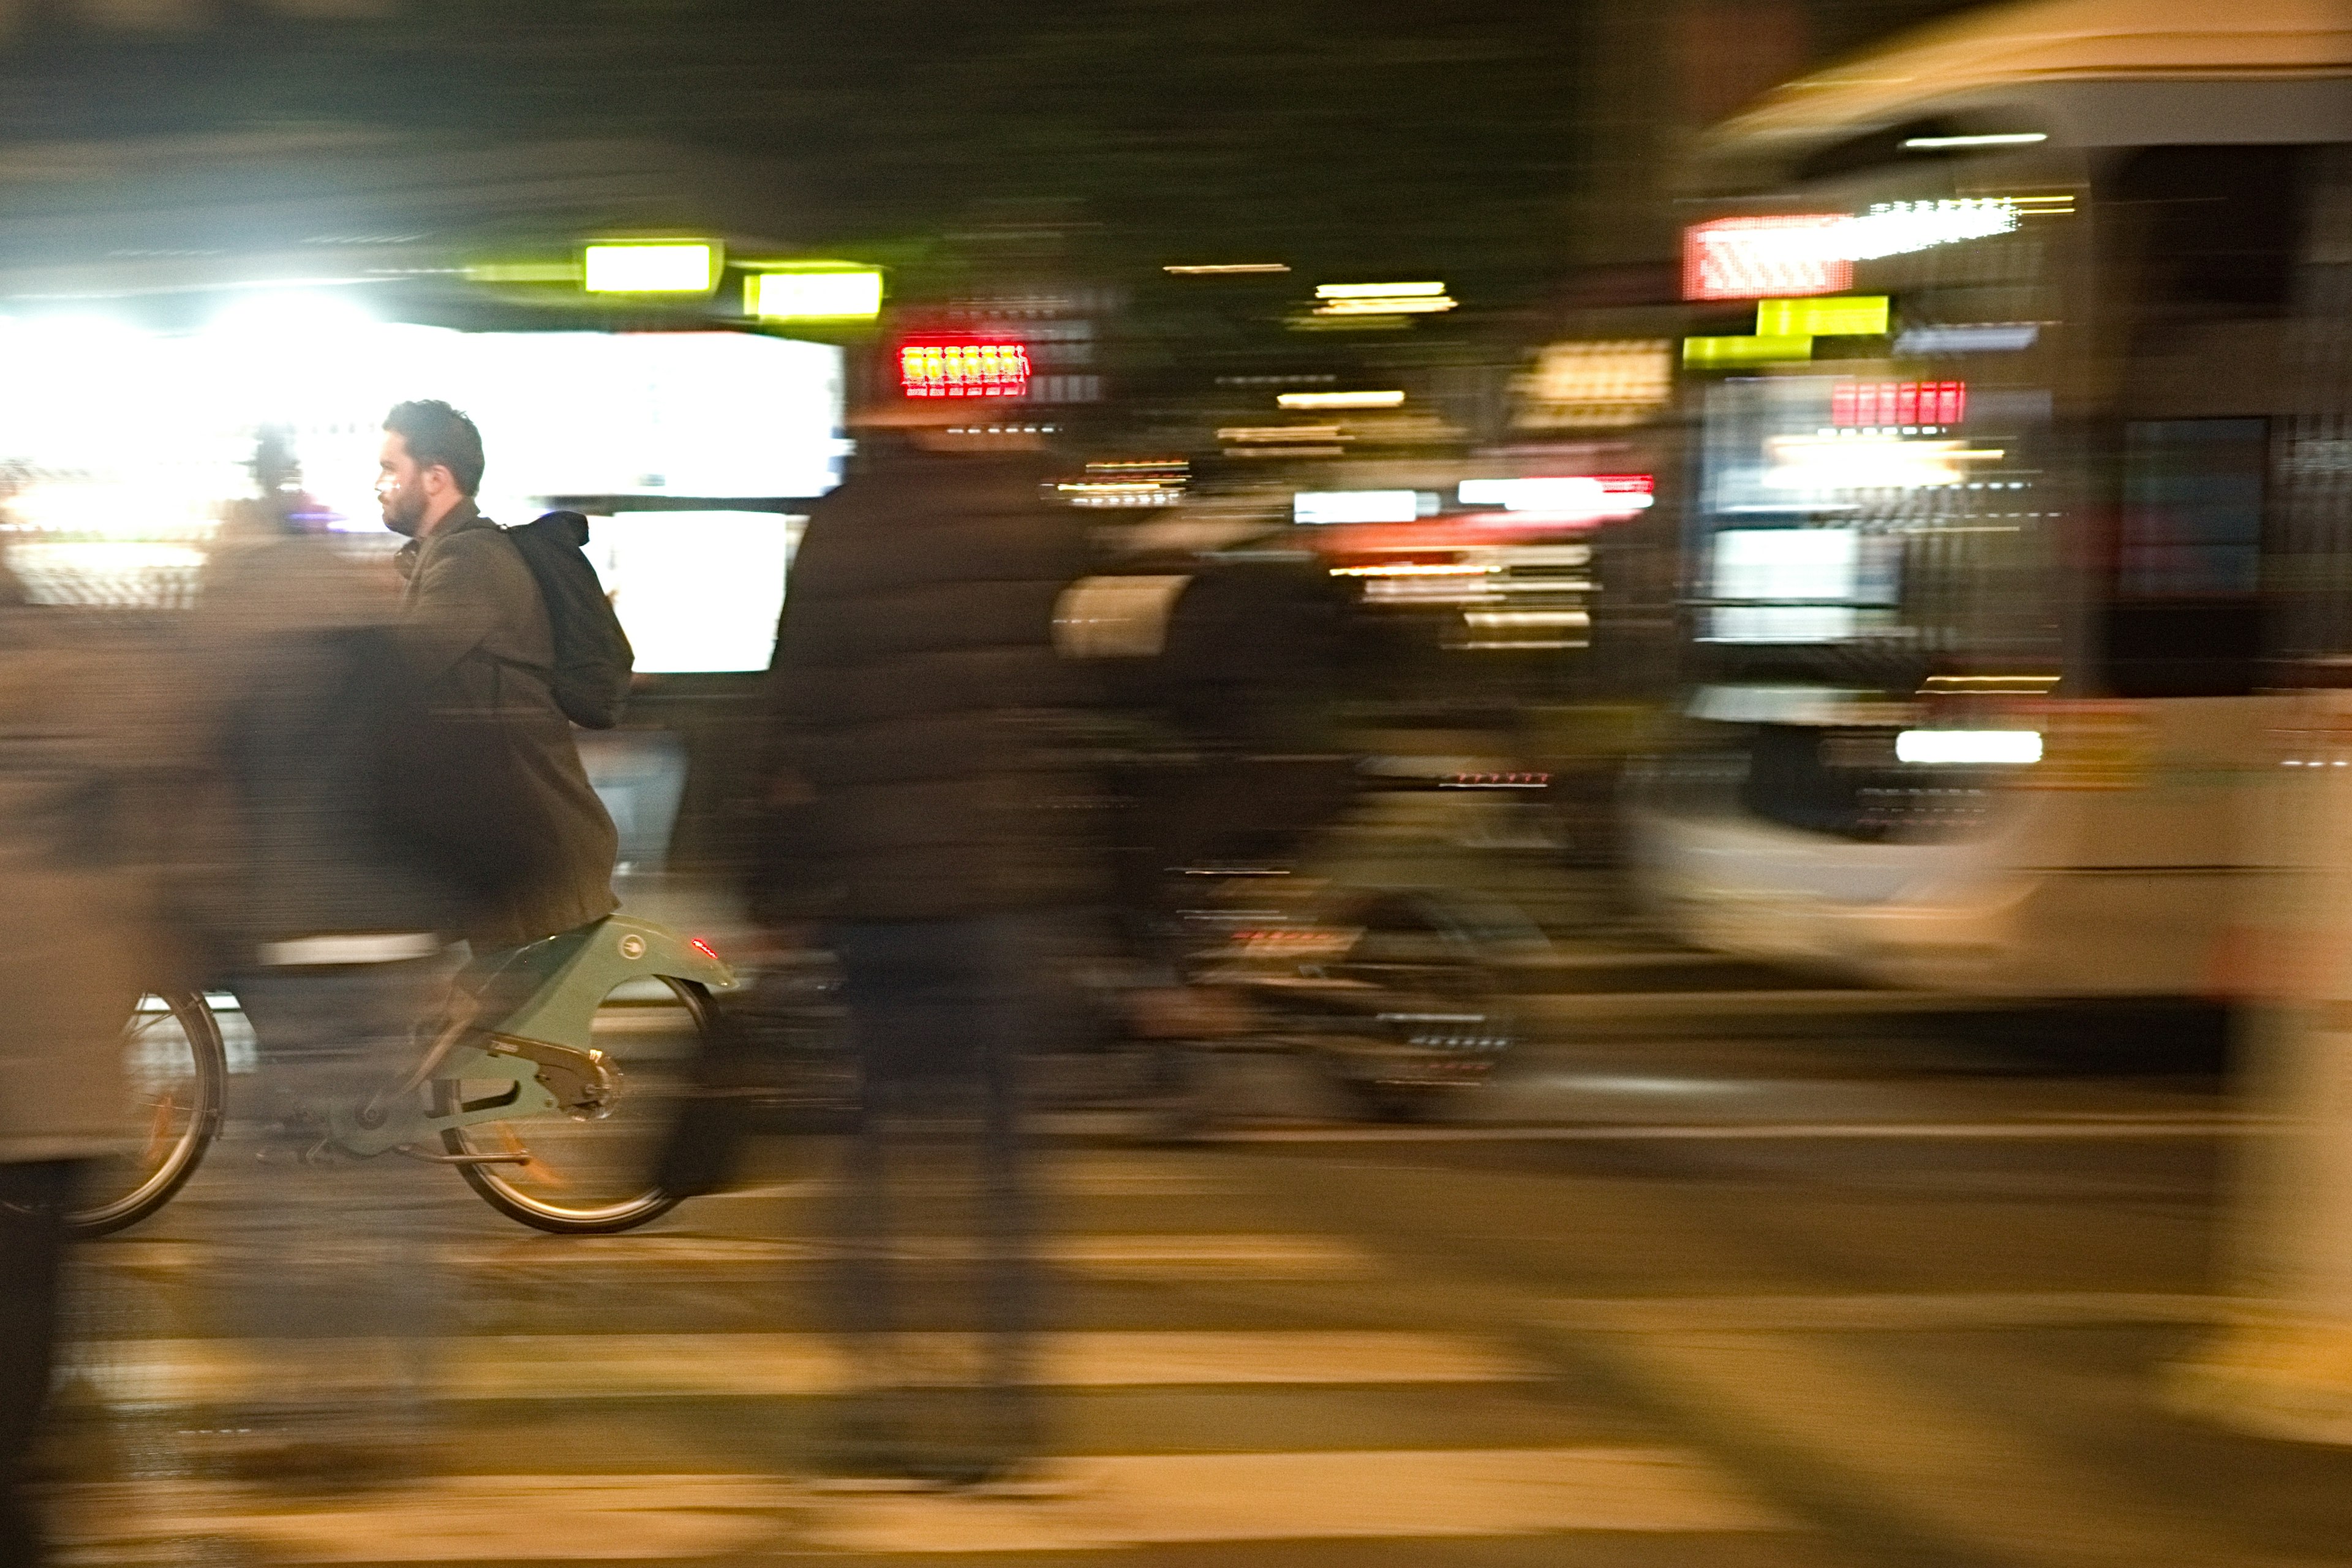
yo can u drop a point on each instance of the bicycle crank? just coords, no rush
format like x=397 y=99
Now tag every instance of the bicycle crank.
x=585 y=1084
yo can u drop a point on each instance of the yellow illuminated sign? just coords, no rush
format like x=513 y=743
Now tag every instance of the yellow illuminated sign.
x=1708 y=352
x=1835 y=316
x=822 y=295
x=651 y=268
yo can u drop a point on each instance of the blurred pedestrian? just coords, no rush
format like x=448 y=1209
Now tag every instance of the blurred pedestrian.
x=920 y=807
x=79 y=742
x=330 y=929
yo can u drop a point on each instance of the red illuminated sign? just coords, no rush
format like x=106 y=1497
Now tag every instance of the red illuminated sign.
x=963 y=369
x=1873 y=405
x=1751 y=258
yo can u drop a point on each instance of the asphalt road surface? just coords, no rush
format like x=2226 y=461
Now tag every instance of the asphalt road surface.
x=1702 y=1286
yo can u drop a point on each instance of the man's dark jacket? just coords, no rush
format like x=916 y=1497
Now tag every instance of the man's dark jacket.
x=917 y=702
x=475 y=626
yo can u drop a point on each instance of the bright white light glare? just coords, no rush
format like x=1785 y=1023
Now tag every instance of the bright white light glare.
x=1355 y=506
x=814 y=295
x=1991 y=139
x=1378 y=290
x=1574 y=494
x=649 y=268
x=1897 y=228
x=1815 y=253
x=1786 y=563
x=1969 y=747
x=291 y=317
x=1339 y=399
x=1218 y=268
x=696 y=590
x=1415 y=306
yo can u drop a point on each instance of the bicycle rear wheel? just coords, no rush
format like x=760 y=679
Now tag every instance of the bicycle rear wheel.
x=178 y=1074
x=592 y=1176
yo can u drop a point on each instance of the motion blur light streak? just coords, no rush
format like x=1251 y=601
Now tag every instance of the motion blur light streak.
x=1322 y=507
x=1971 y=748
x=1815 y=253
x=1593 y=496
x=1263 y=435
x=1339 y=399
x=1868 y=462
x=1380 y=290
x=1212 y=270
x=1416 y=306
x=1897 y=228
x=1989 y=139
x=1381 y=299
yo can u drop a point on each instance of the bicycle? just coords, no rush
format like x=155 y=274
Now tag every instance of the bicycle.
x=608 y=1016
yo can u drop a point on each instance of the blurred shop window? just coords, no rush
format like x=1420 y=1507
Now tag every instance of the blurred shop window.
x=2192 y=518
x=2185 y=619
x=640 y=775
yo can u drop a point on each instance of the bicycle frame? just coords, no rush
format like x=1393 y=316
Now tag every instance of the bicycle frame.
x=563 y=978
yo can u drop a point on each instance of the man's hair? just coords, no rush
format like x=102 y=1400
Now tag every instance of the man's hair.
x=436 y=433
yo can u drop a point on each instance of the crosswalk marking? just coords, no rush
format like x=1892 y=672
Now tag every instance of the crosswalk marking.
x=172 y=1372
x=1124 y=1257
x=2051 y=1131
x=1797 y=1313
x=1108 y=1502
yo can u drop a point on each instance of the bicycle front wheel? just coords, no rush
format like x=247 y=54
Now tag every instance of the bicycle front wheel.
x=177 y=1071
x=591 y=1175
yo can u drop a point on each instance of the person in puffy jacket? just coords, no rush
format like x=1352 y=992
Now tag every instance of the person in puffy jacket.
x=923 y=807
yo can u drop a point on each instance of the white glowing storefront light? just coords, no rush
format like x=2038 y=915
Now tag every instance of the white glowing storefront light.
x=134 y=441
x=1574 y=496
x=1969 y=747
x=1897 y=228
x=1321 y=507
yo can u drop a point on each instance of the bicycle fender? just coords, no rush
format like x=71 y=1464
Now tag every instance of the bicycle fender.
x=611 y=953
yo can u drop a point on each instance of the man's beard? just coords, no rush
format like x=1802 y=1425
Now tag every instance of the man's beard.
x=405 y=515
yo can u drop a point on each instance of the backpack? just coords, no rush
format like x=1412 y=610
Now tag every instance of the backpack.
x=593 y=656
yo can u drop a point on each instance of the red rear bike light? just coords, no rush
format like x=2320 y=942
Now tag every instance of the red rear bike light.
x=705 y=949
x=963 y=369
